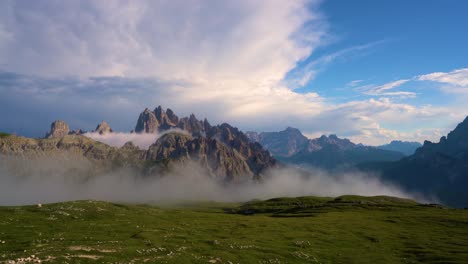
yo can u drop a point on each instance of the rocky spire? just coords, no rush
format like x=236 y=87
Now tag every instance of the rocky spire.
x=160 y=114
x=58 y=129
x=147 y=122
x=103 y=128
x=172 y=117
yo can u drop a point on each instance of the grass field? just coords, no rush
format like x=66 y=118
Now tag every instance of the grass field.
x=348 y=229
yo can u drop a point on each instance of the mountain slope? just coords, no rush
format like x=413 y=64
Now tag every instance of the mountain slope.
x=405 y=147
x=436 y=169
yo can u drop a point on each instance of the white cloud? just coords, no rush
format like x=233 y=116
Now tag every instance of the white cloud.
x=382 y=90
x=301 y=76
x=222 y=60
x=456 y=77
x=354 y=83
x=389 y=86
x=172 y=40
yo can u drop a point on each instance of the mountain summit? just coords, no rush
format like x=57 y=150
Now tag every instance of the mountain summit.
x=223 y=149
x=159 y=120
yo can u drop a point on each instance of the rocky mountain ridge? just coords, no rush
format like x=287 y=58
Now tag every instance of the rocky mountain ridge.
x=232 y=150
x=222 y=150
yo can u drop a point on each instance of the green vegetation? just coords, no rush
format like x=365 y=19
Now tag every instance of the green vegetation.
x=3 y=134
x=347 y=229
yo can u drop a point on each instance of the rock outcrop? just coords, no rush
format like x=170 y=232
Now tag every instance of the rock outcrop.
x=216 y=158
x=147 y=122
x=156 y=121
x=58 y=129
x=103 y=128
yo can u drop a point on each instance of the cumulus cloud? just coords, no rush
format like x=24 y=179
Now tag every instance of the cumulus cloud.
x=226 y=61
x=174 y=40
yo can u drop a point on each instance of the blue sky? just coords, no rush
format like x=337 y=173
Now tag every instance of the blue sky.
x=411 y=38
x=372 y=71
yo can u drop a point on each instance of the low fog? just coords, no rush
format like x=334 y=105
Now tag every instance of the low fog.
x=61 y=179
x=118 y=139
x=142 y=140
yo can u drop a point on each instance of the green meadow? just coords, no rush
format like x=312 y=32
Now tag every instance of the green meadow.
x=347 y=229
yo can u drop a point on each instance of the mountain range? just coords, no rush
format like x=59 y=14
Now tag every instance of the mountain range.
x=223 y=151
x=227 y=154
x=405 y=147
x=329 y=152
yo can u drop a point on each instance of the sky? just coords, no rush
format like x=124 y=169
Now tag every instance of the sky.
x=370 y=71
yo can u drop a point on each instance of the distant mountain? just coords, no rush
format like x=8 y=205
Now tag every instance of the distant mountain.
x=405 y=147
x=224 y=152
x=436 y=169
x=282 y=144
x=332 y=152
x=329 y=152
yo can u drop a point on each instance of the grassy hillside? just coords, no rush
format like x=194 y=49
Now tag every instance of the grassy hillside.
x=348 y=229
x=3 y=134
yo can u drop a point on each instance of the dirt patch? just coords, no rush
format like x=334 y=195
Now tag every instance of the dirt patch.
x=88 y=249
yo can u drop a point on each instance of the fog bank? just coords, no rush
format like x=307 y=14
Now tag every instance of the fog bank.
x=118 y=139
x=45 y=181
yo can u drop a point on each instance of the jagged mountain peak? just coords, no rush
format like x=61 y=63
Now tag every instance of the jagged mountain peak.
x=221 y=148
x=58 y=129
x=103 y=128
